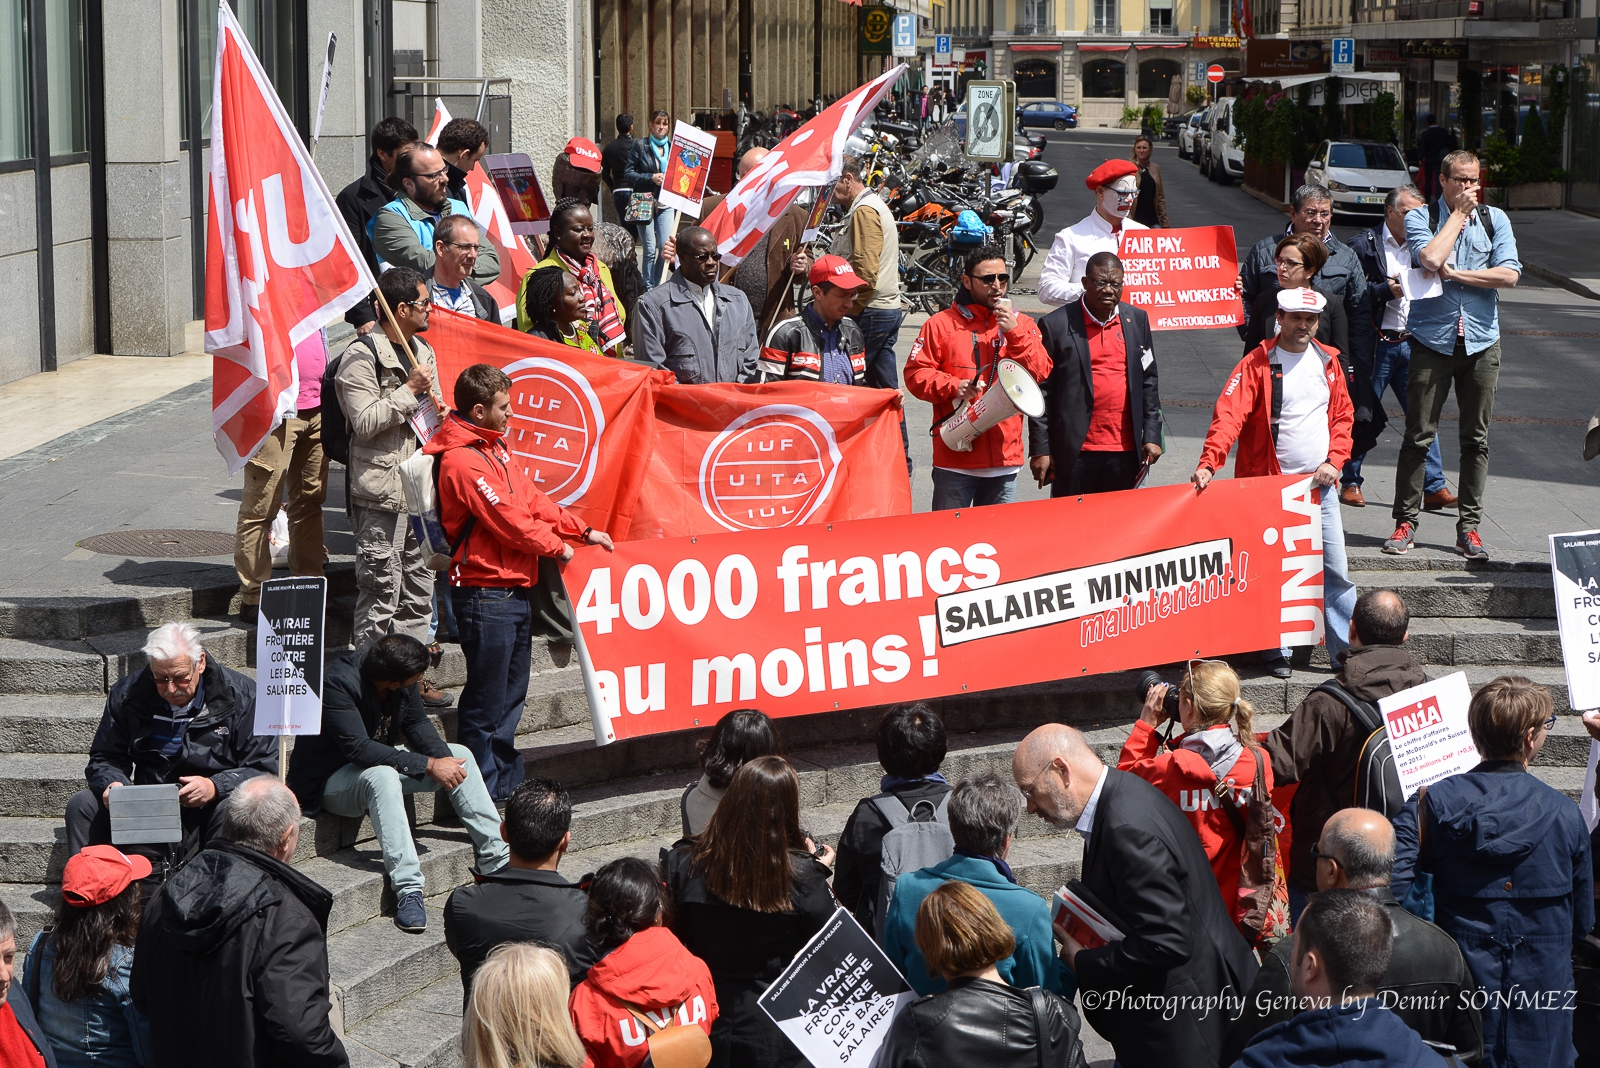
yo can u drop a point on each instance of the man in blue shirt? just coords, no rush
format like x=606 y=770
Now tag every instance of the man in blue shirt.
x=820 y=344
x=1456 y=339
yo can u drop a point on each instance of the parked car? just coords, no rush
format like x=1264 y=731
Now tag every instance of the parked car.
x=1189 y=128
x=1170 y=127
x=1224 y=160
x=1359 y=174
x=1051 y=113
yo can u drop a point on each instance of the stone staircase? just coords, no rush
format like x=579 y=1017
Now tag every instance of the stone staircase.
x=399 y=994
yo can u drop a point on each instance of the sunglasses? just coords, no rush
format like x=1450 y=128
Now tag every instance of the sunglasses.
x=1318 y=854
x=990 y=279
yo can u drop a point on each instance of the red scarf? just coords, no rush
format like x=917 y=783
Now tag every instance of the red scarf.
x=599 y=305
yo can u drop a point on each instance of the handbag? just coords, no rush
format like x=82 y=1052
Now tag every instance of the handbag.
x=641 y=208
x=675 y=1046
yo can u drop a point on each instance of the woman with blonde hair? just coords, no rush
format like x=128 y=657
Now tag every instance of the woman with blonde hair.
x=1209 y=771
x=516 y=1016
x=1151 y=206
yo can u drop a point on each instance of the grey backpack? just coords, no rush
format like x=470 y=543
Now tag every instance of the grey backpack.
x=918 y=837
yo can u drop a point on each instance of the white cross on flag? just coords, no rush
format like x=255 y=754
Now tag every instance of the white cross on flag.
x=280 y=262
x=811 y=156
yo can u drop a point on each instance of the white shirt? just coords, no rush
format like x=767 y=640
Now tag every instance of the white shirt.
x=1303 y=424
x=1061 y=278
x=1085 y=822
x=1397 y=258
x=706 y=300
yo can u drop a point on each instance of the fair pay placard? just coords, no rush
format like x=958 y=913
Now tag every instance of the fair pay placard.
x=1428 y=733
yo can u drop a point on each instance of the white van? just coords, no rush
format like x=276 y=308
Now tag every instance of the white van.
x=1224 y=160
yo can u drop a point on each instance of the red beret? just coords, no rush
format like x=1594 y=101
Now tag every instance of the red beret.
x=1108 y=172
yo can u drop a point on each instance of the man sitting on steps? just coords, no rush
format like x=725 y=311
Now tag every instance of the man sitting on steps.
x=355 y=768
x=182 y=720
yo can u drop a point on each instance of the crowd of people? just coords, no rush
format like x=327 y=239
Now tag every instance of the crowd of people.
x=1376 y=936
x=1443 y=930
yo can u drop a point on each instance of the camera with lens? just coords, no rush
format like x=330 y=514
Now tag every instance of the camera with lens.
x=1169 y=703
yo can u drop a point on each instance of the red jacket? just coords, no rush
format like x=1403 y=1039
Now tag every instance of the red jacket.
x=1186 y=778
x=652 y=972
x=941 y=362
x=1244 y=413
x=516 y=522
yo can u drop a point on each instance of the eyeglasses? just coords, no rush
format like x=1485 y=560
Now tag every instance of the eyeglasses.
x=440 y=173
x=1550 y=724
x=1463 y=181
x=1282 y=262
x=421 y=305
x=1318 y=854
x=180 y=682
x=990 y=279
x=460 y=246
x=1027 y=791
x=1105 y=283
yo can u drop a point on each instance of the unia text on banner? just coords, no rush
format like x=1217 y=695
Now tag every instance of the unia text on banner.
x=674 y=633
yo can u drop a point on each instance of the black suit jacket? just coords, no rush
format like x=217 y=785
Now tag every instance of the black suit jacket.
x=1144 y=860
x=1069 y=391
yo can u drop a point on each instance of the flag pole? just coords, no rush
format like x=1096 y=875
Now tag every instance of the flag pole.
x=404 y=346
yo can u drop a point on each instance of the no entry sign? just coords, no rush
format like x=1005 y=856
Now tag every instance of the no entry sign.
x=1214 y=73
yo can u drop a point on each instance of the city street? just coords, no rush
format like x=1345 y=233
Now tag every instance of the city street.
x=1549 y=386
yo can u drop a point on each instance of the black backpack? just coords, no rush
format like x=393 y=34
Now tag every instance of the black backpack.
x=1377 y=779
x=1483 y=217
x=335 y=424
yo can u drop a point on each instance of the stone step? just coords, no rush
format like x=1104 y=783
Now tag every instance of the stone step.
x=1474 y=594
x=211 y=591
x=422 y=1030
x=1523 y=642
x=376 y=965
x=547 y=656
x=1371 y=557
x=49 y=723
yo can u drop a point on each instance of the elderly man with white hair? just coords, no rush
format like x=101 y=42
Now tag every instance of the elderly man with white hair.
x=181 y=719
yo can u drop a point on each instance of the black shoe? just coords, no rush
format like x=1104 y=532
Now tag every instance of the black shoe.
x=410 y=915
x=1278 y=664
x=249 y=615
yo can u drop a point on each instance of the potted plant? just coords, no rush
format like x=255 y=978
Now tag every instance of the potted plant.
x=1523 y=175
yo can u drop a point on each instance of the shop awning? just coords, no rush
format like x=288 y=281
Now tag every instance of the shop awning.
x=1103 y=48
x=1143 y=47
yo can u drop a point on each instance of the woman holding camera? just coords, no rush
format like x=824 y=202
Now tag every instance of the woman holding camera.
x=1209 y=771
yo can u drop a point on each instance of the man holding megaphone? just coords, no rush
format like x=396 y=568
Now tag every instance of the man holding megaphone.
x=978 y=362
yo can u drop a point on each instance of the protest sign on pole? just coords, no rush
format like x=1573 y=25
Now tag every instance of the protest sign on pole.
x=1183 y=279
x=838 y=996
x=290 y=646
x=524 y=201
x=683 y=186
x=810 y=618
x=322 y=94
x=819 y=208
x=441 y=116
x=1428 y=733
x=1575 y=571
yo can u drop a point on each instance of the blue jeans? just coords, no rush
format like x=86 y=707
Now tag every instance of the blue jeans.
x=880 y=329
x=379 y=793
x=955 y=489
x=652 y=236
x=1338 y=592
x=495 y=624
x=1391 y=367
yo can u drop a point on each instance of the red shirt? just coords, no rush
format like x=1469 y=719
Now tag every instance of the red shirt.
x=16 y=1048
x=1111 y=422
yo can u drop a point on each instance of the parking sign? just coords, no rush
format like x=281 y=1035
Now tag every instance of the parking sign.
x=1344 y=55
x=941 y=49
x=905 y=34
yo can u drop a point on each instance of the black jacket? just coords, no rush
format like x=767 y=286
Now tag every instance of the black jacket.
x=358 y=202
x=1144 y=862
x=231 y=965
x=1341 y=277
x=858 y=868
x=614 y=161
x=361 y=728
x=640 y=165
x=23 y=1010
x=1069 y=391
x=745 y=952
x=1423 y=986
x=517 y=905
x=220 y=743
x=1333 y=327
x=979 y=1022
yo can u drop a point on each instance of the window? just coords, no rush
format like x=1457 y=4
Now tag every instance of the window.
x=64 y=79
x=1156 y=75
x=1105 y=17
x=1103 y=78
x=1035 y=77
x=1366 y=157
x=13 y=82
x=1160 y=18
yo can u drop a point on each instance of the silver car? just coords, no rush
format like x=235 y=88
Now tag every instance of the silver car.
x=1189 y=134
x=1359 y=174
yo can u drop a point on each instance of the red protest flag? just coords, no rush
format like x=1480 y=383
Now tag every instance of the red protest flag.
x=811 y=156
x=280 y=262
x=580 y=424
x=730 y=458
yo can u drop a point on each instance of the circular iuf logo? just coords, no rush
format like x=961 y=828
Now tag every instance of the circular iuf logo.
x=771 y=467
x=555 y=428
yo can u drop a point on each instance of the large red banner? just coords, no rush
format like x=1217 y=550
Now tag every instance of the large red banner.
x=1184 y=279
x=672 y=634
x=639 y=456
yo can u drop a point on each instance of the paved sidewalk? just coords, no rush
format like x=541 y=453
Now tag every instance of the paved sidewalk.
x=1559 y=247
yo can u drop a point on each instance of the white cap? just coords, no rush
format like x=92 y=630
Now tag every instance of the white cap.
x=1301 y=300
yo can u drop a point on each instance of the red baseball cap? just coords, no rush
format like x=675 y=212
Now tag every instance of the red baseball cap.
x=98 y=874
x=835 y=269
x=582 y=154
